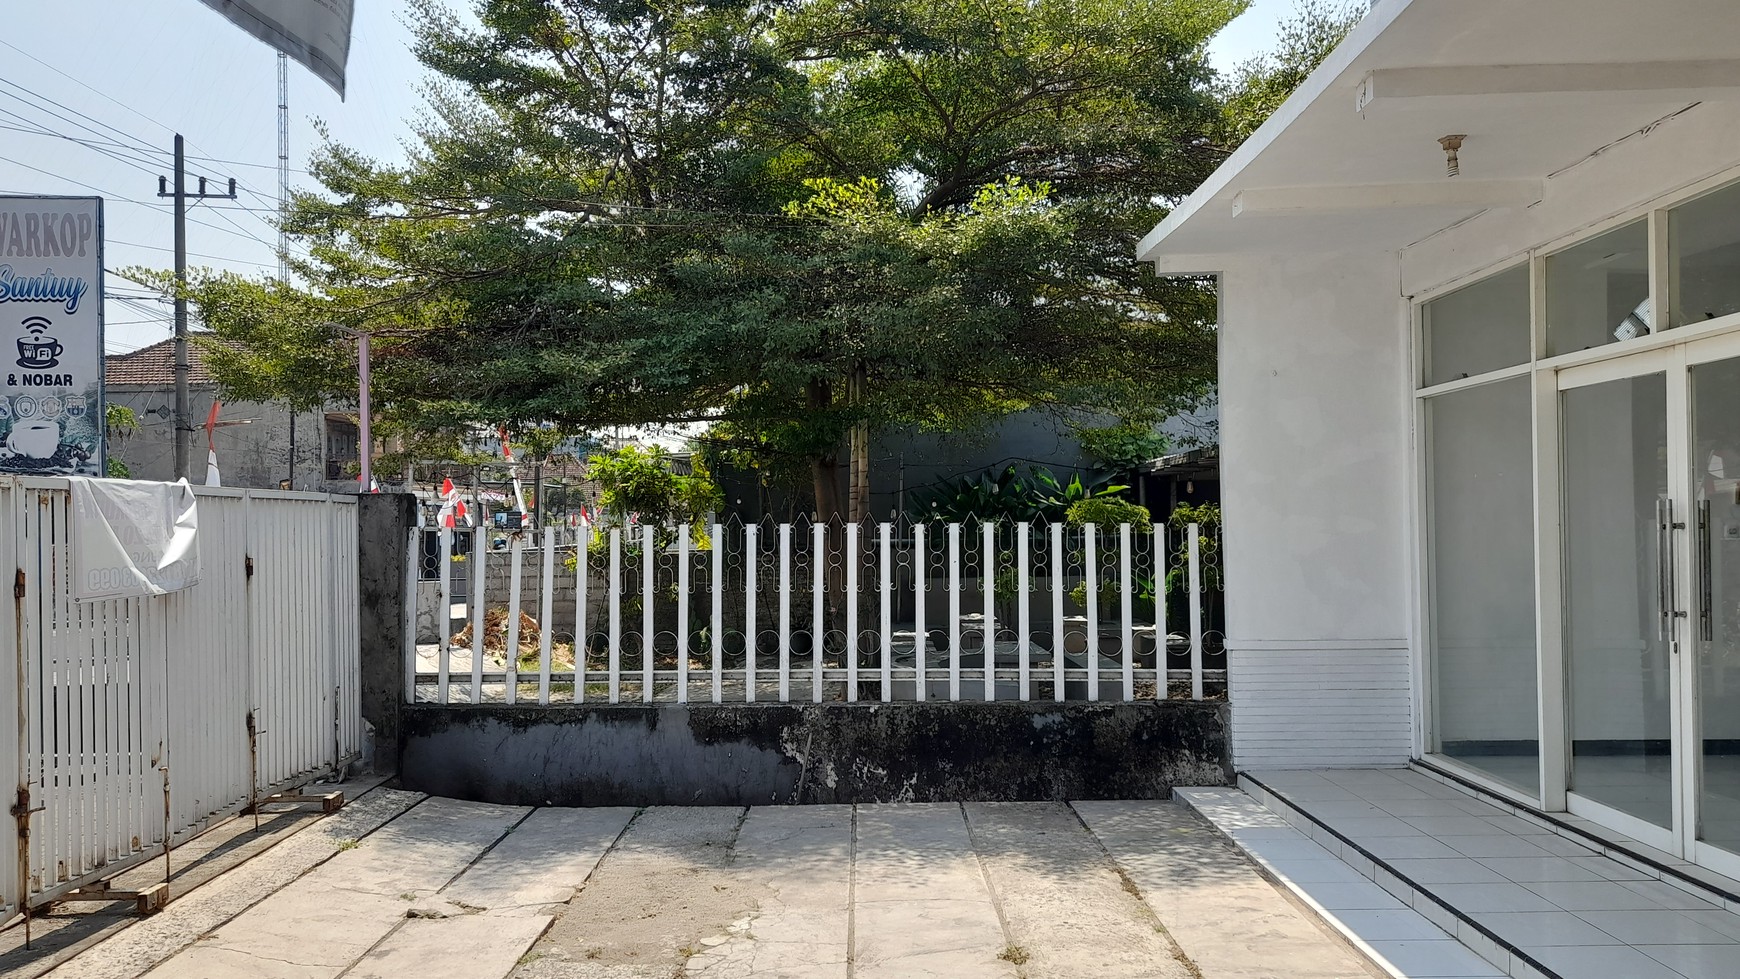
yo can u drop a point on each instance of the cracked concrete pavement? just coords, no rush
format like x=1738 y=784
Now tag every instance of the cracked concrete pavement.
x=428 y=888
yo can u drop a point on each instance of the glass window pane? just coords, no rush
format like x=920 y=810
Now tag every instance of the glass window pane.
x=1477 y=329
x=1705 y=252
x=1620 y=676
x=1598 y=291
x=1480 y=486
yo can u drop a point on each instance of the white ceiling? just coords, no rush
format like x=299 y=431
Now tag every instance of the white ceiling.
x=1320 y=138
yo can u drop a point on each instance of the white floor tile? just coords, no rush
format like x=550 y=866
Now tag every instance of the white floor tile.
x=1654 y=928
x=1667 y=895
x=1424 y=959
x=1484 y=847
x=1391 y=925
x=1359 y=896
x=1417 y=847
x=1459 y=871
x=1697 y=961
x=1530 y=929
x=1577 y=895
x=1473 y=899
x=1534 y=870
x=1603 y=962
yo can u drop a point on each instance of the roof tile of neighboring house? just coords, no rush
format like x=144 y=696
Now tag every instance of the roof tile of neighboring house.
x=154 y=366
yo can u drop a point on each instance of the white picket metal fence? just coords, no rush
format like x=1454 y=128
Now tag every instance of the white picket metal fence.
x=141 y=722
x=874 y=612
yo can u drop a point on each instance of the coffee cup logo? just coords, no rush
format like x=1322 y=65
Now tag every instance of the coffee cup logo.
x=36 y=351
x=36 y=439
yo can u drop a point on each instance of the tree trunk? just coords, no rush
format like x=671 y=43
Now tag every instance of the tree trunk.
x=825 y=468
x=859 y=477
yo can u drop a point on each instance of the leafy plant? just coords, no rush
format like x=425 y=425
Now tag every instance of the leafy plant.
x=641 y=484
x=1106 y=511
x=1122 y=446
x=1008 y=496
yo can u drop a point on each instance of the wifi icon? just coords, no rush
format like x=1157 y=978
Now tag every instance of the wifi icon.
x=37 y=325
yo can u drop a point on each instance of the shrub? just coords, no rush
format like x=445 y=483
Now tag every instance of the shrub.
x=1106 y=511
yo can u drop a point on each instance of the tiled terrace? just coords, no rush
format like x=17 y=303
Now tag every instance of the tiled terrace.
x=1403 y=861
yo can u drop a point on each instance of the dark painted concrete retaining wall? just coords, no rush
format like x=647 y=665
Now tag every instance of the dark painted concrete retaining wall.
x=753 y=754
x=384 y=521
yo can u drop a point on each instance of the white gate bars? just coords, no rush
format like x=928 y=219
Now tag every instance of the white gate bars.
x=878 y=612
x=134 y=717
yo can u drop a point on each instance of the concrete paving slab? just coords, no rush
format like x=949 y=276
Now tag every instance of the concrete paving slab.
x=800 y=857
x=541 y=863
x=1066 y=908
x=1229 y=920
x=324 y=922
x=666 y=886
x=150 y=941
x=922 y=906
x=472 y=946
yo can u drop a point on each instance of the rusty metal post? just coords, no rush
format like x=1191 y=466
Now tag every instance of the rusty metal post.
x=254 y=770
x=21 y=812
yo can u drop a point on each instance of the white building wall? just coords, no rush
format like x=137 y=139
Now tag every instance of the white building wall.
x=1315 y=457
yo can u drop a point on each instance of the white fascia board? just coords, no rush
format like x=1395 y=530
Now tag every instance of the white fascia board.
x=1188 y=266
x=1656 y=77
x=1447 y=192
x=1315 y=85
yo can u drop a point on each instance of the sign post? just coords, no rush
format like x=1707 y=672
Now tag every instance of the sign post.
x=52 y=416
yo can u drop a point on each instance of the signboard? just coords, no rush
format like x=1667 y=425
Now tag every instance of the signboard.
x=51 y=325
x=133 y=539
x=316 y=33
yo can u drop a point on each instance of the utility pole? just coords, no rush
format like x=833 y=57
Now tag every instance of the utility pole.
x=183 y=411
x=283 y=209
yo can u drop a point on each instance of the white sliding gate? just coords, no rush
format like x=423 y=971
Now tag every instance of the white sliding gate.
x=140 y=722
x=871 y=612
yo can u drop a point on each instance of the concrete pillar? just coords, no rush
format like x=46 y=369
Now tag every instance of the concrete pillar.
x=384 y=524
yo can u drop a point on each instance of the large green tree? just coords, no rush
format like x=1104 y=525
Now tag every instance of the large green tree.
x=802 y=220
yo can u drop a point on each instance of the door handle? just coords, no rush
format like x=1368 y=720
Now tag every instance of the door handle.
x=1662 y=563
x=1706 y=620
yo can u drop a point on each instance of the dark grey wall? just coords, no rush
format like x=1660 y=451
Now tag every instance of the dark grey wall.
x=754 y=754
x=384 y=520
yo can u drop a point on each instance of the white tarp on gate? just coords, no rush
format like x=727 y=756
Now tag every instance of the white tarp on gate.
x=132 y=539
x=315 y=33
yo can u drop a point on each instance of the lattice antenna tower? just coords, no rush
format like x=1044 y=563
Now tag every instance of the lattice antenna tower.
x=283 y=165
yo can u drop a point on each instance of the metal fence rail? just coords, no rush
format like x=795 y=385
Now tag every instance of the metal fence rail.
x=136 y=719
x=873 y=612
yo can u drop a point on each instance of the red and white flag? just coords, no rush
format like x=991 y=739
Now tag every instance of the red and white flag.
x=211 y=467
x=453 y=509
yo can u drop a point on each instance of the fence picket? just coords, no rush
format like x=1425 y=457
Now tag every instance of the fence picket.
x=1091 y=634
x=1059 y=642
x=885 y=567
x=920 y=562
x=954 y=612
x=443 y=622
x=546 y=620
x=1160 y=633
x=478 y=610
x=683 y=614
x=818 y=594
x=1023 y=612
x=851 y=650
x=615 y=640
x=785 y=571
x=648 y=683
x=988 y=578
x=751 y=557
x=581 y=643
x=516 y=560
x=1127 y=592
x=1195 y=612
x=718 y=636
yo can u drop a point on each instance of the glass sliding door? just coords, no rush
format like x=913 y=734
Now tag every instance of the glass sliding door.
x=1715 y=524
x=1619 y=580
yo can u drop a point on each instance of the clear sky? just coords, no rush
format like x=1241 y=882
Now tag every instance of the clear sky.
x=128 y=74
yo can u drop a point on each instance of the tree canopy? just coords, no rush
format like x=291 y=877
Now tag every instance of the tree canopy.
x=803 y=221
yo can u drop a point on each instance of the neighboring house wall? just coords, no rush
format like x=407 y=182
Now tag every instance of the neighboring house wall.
x=1314 y=452
x=255 y=455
